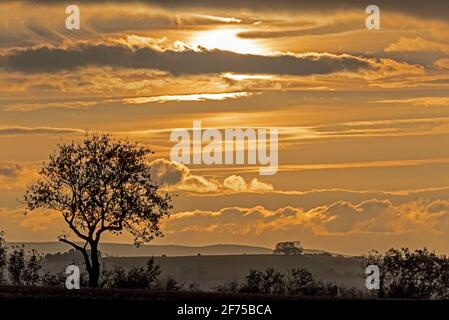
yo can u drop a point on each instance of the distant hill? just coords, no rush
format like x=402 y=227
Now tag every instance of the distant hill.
x=129 y=250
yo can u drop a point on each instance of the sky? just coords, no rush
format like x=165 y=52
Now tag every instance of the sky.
x=362 y=114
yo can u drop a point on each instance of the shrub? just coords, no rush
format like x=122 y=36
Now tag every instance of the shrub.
x=31 y=272
x=53 y=279
x=16 y=264
x=3 y=257
x=301 y=282
x=268 y=282
x=135 y=278
x=406 y=274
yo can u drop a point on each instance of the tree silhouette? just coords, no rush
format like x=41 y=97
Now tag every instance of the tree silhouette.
x=31 y=275
x=3 y=257
x=135 y=278
x=288 y=248
x=406 y=274
x=301 y=281
x=100 y=185
x=16 y=264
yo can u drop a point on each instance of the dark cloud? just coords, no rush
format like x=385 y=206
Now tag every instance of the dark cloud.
x=50 y=59
x=167 y=172
x=433 y=9
x=9 y=170
x=116 y=23
x=142 y=21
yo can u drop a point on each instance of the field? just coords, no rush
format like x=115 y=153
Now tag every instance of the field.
x=212 y=270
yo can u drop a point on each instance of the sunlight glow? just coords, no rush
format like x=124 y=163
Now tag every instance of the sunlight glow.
x=189 y=97
x=226 y=39
x=239 y=77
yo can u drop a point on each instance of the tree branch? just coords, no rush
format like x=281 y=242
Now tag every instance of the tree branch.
x=79 y=248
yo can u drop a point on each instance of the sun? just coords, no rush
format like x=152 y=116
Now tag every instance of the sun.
x=226 y=39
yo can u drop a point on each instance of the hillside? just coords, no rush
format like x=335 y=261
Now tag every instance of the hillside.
x=129 y=250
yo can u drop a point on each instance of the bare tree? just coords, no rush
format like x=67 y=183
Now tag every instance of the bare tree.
x=100 y=185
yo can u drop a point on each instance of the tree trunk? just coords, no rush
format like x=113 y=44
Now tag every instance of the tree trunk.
x=94 y=274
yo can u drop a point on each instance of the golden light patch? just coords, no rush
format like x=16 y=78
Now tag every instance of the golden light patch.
x=226 y=39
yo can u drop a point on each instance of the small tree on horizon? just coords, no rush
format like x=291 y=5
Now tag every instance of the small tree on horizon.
x=288 y=248
x=100 y=185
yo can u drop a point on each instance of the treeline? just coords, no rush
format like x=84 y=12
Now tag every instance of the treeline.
x=407 y=274
x=296 y=282
x=21 y=268
x=147 y=277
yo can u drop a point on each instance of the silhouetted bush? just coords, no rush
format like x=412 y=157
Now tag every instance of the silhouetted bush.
x=135 y=278
x=228 y=287
x=301 y=282
x=268 y=282
x=296 y=282
x=419 y=274
x=53 y=279
x=3 y=257
x=30 y=274
x=16 y=264
x=169 y=284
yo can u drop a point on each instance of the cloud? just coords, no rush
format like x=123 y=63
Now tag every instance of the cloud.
x=218 y=19
x=235 y=183
x=420 y=102
x=302 y=28
x=167 y=172
x=9 y=170
x=189 y=97
x=177 y=177
x=53 y=59
x=437 y=9
x=15 y=175
x=238 y=184
x=416 y=45
x=442 y=63
x=38 y=221
x=342 y=218
x=25 y=107
x=14 y=131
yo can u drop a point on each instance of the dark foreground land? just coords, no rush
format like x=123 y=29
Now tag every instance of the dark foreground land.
x=61 y=294
x=146 y=304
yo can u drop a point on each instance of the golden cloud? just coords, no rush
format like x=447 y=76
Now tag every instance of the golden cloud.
x=340 y=218
x=178 y=177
